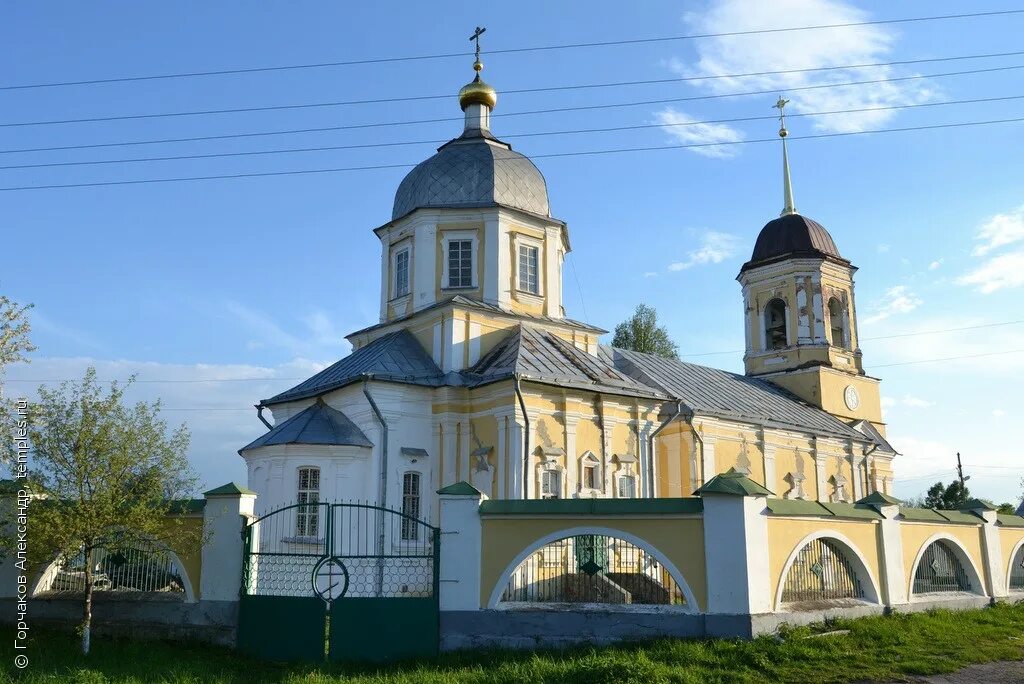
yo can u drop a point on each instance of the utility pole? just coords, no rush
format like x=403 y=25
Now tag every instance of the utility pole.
x=960 y=472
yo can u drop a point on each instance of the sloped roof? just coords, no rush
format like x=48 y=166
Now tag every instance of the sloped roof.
x=874 y=435
x=541 y=356
x=396 y=356
x=715 y=392
x=318 y=424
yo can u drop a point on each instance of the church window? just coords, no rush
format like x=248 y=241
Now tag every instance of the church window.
x=411 y=506
x=590 y=477
x=460 y=263
x=775 y=325
x=627 y=486
x=550 y=484
x=528 y=277
x=401 y=273
x=837 y=322
x=307 y=518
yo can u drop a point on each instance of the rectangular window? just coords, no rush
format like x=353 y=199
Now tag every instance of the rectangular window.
x=401 y=273
x=550 y=484
x=528 y=279
x=627 y=487
x=411 y=506
x=307 y=518
x=590 y=477
x=460 y=263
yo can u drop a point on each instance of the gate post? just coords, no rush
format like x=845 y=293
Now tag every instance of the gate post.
x=991 y=548
x=894 y=575
x=224 y=517
x=460 y=547
x=736 y=553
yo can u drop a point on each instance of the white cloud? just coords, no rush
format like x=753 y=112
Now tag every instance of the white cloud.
x=321 y=334
x=681 y=127
x=997 y=273
x=650 y=274
x=898 y=299
x=935 y=264
x=714 y=248
x=1000 y=230
x=998 y=413
x=756 y=53
x=969 y=353
x=883 y=248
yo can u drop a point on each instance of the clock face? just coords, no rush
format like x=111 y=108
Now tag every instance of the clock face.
x=851 y=397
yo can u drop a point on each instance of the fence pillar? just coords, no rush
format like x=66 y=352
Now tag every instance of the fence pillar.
x=10 y=494
x=893 y=573
x=227 y=510
x=991 y=548
x=461 y=551
x=736 y=553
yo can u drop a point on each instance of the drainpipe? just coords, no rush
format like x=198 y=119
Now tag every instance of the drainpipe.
x=383 y=494
x=259 y=414
x=526 y=432
x=651 y=454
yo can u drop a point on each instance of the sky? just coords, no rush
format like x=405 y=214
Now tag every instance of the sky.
x=217 y=293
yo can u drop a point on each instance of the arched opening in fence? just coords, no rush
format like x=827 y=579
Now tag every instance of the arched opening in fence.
x=825 y=568
x=944 y=567
x=584 y=566
x=135 y=570
x=1016 y=573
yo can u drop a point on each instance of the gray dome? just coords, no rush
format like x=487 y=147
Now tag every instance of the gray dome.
x=473 y=171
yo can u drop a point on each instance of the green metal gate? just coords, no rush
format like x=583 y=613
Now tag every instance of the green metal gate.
x=378 y=567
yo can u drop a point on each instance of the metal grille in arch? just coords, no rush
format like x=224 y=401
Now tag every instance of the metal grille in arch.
x=940 y=570
x=821 y=572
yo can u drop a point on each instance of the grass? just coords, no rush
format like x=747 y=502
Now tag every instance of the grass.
x=876 y=649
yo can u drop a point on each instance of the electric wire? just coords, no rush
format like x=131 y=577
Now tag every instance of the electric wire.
x=615 y=105
x=584 y=153
x=325 y=148
x=537 y=48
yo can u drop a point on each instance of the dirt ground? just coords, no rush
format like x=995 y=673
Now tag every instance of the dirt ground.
x=989 y=673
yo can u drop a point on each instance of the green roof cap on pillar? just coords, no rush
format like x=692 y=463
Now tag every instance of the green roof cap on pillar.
x=229 y=489
x=460 y=489
x=879 y=499
x=978 y=505
x=735 y=483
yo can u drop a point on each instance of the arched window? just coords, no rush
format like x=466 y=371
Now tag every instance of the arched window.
x=775 y=325
x=821 y=572
x=837 y=322
x=940 y=570
x=592 y=568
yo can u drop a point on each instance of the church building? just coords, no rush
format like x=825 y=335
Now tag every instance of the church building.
x=475 y=373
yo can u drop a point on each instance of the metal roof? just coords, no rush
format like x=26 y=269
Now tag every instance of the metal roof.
x=473 y=171
x=396 y=356
x=792 y=235
x=541 y=356
x=318 y=424
x=715 y=392
x=462 y=300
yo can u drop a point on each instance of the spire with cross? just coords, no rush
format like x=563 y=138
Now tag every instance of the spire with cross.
x=477 y=65
x=787 y=184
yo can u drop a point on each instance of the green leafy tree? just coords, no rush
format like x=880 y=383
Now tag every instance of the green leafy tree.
x=947 y=497
x=641 y=333
x=1006 y=509
x=14 y=332
x=106 y=474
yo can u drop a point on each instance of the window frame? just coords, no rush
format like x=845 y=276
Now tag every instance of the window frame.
x=520 y=242
x=307 y=521
x=555 y=477
x=396 y=253
x=632 y=487
x=449 y=237
x=410 y=528
x=843 y=326
x=765 y=330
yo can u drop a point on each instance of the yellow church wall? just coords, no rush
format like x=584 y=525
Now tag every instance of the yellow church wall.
x=914 y=535
x=785 y=535
x=785 y=462
x=475 y=229
x=1010 y=540
x=680 y=539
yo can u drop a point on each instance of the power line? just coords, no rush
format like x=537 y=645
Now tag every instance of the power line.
x=326 y=148
x=538 y=48
x=199 y=380
x=887 y=337
x=949 y=358
x=631 y=103
x=525 y=90
x=585 y=153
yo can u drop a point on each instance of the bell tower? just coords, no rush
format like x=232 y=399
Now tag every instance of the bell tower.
x=800 y=313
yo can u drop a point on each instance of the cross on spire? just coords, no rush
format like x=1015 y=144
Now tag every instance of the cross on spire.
x=787 y=185
x=476 y=37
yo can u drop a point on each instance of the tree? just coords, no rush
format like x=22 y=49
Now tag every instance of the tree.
x=106 y=475
x=1006 y=509
x=14 y=330
x=948 y=498
x=641 y=333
